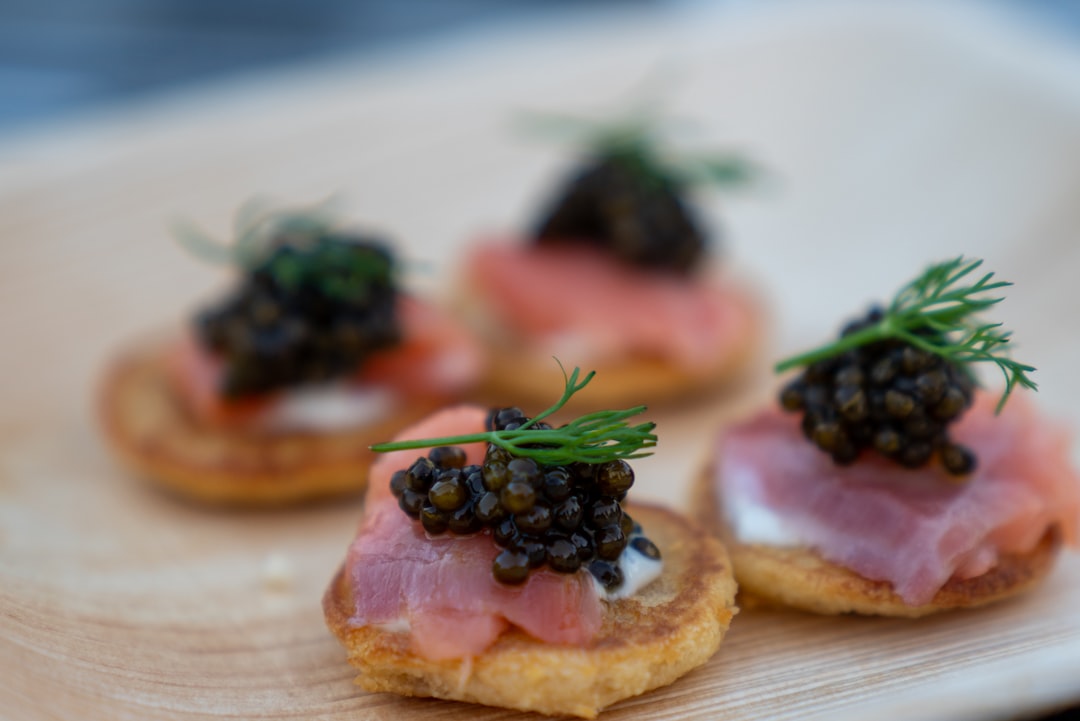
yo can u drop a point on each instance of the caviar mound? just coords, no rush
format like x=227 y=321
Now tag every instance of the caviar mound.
x=887 y=396
x=565 y=517
x=312 y=310
x=153 y=433
x=629 y=210
x=647 y=641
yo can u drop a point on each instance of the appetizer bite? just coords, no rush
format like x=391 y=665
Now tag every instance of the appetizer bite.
x=273 y=394
x=503 y=567
x=615 y=275
x=885 y=482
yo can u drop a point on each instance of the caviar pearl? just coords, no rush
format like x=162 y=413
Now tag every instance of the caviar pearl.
x=645 y=547
x=615 y=478
x=517 y=497
x=511 y=567
x=524 y=470
x=562 y=556
x=489 y=509
x=610 y=542
x=433 y=520
x=569 y=513
x=495 y=475
x=605 y=512
x=447 y=457
x=536 y=520
x=607 y=573
x=505 y=533
x=557 y=484
x=448 y=493
x=463 y=521
x=411 y=502
x=397 y=483
x=420 y=475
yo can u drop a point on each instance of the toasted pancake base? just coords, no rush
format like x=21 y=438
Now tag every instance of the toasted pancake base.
x=771 y=576
x=517 y=369
x=672 y=626
x=150 y=430
x=529 y=377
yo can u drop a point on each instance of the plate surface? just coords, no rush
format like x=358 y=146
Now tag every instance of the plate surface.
x=890 y=139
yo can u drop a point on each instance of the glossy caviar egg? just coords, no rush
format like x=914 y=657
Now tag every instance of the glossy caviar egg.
x=569 y=514
x=420 y=475
x=536 y=520
x=558 y=484
x=607 y=573
x=449 y=492
x=433 y=520
x=489 y=508
x=614 y=478
x=511 y=567
x=605 y=512
x=562 y=556
x=610 y=542
x=518 y=497
x=447 y=456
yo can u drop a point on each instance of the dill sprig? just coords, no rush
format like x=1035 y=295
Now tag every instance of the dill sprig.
x=937 y=301
x=635 y=140
x=593 y=438
x=326 y=257
x=258 y=229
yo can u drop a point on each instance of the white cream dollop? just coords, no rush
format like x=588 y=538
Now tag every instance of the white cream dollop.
x=329 y=407
x=638 y=572
x=398 y=625
x=750 y=519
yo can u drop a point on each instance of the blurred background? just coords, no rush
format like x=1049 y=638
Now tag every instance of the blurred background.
x=63 y=56
x=59 y=56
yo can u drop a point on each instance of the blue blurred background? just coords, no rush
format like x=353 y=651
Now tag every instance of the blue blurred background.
x=60 y=56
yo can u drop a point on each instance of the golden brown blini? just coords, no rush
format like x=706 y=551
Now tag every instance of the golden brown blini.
x=884 y=481
x=672 y=626
x=650 y=380
x=519 y=367
x=151 y=430
x=800 y=578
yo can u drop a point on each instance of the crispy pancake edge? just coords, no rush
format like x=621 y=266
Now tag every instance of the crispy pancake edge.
x=150 y=431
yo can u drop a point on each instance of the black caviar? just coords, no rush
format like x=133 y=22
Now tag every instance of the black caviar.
x=621 y=203
x=888 y=396
x=564 y=517
x=310 y=311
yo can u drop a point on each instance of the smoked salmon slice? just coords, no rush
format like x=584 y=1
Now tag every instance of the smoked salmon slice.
x=570 y=295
